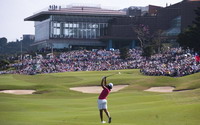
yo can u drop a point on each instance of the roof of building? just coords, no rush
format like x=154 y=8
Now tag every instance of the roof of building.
x=74 y=10
x=193 y=0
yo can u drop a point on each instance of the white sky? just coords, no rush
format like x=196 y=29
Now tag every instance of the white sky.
x=13 y=12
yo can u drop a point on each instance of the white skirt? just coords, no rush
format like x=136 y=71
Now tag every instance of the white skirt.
x=102 y=103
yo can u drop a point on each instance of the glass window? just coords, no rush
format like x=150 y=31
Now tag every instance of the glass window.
x=66 y=25
x=84 y=33
x=93 y=33
x=95 y=26
x=70 y=33
x=75 y=25
x=80 y=33
x=66 y=32
x=56 y=24
x=70 y=25
x=75 y=33
x=89 y=33
x=54 y=31
x=80 y=25
x=90 y=25
x=85 y=30
x=84 y=25
x=58 y=31
x=101 y=25
x=98 y=30
x=56 y=28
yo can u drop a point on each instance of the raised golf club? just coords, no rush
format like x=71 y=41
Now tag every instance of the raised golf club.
x=110 y=75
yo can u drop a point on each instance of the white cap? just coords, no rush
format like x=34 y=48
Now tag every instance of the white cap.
x=111 y=85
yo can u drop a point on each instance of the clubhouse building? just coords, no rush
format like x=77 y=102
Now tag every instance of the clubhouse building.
x=93 y=27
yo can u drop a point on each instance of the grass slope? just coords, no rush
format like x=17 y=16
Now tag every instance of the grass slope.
x=55 y=104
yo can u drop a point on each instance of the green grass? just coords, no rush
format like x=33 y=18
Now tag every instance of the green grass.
x=55 y=104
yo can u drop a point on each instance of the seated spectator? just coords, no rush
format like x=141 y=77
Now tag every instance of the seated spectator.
x=175 y=62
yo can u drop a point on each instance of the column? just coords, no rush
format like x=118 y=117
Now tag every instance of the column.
x=110 y=44
x=133 y=44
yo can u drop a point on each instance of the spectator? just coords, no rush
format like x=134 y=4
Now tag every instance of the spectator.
x=174 y=62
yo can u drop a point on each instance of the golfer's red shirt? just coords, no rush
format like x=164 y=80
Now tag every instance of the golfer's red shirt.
x=104 y=93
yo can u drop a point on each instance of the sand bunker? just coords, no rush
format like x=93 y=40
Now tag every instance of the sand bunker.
x=161 y=89
x=96 y=89
x=18 y=92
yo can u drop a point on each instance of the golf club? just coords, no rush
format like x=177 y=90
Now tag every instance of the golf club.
x=110 y=75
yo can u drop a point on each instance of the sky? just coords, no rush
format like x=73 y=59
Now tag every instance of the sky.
x=13 y=12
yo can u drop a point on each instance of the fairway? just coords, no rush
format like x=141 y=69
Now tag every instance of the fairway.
x=54 y=103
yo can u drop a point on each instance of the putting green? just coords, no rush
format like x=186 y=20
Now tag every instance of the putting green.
x=55 y=104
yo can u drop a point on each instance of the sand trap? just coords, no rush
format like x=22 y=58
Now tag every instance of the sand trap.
x=161 y=89
x=96 y=89
x=18 y=92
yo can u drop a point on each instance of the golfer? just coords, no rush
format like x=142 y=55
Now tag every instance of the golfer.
x=102 y=100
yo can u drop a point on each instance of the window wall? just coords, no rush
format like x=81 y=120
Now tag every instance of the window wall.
x=42 y=30
x=175 y=28
x=56 y=28
x=84 y=30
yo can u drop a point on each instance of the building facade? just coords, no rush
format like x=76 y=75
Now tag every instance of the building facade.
x=71 y=27
x=94 y=27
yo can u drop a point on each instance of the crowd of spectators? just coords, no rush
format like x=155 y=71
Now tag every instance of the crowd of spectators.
x=174 y=62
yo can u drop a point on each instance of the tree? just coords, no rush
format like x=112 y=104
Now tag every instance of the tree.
x=157 y=40
x=143 y=35
x=148 y=51
x=3 y=64
x=3 y=41
x=124 y=53
x=150 y=43
x=145 y=39
x=190 y=37
x=14 y=47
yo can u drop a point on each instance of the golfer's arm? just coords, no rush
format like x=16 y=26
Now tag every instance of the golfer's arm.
x=103 y=83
